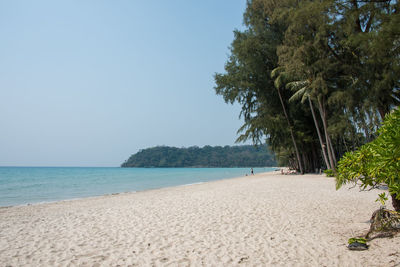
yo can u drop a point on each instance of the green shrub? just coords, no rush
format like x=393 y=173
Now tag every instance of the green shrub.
x=329 y=173
x=376 y=163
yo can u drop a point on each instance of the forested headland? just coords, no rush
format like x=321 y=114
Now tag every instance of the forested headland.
x=315 y=79
x=207 y=156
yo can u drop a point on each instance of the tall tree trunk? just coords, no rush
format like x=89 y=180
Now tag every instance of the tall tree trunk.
x=315 y=159
x=319 y=135
x=333 y=151
x=395 y=203
x=382 y=112
x=328 y=145
x=291 y=132
x=305 y=162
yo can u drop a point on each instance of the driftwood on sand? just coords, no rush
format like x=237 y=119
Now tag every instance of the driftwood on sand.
x=384 y=223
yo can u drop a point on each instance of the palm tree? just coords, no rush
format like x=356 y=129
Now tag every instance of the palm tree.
x=303 y=89
x=277 y=74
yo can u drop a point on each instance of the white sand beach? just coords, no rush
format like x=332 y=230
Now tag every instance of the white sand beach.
x=261 y=220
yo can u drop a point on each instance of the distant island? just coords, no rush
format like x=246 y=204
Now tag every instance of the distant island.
x=205 y=157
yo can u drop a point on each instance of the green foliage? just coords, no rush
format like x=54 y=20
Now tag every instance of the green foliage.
x=329 y=173
x=382 y=198
x=227 y=156
x=360 y=240
x=248 y=81
x=342 y=56
x=375 y=163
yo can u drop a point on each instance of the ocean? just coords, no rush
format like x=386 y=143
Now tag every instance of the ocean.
x=30 y=185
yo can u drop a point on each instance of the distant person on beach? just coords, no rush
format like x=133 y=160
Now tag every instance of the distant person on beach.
x=252 y=173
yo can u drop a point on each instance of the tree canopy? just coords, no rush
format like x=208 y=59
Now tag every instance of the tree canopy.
x=314 y=78
x=207 y=156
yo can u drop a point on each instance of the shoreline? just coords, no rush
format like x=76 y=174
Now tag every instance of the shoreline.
x=48 y=185
x=127 y=192
x=267 y=219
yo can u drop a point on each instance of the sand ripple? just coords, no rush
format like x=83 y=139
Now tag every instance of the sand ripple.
x=263 y=220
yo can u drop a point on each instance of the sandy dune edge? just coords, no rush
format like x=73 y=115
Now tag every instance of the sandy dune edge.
x=262 y=220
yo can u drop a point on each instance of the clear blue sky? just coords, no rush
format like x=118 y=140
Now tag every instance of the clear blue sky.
x=88 y=83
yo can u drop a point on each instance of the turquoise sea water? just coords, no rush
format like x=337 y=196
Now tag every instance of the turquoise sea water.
x=28 y=185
